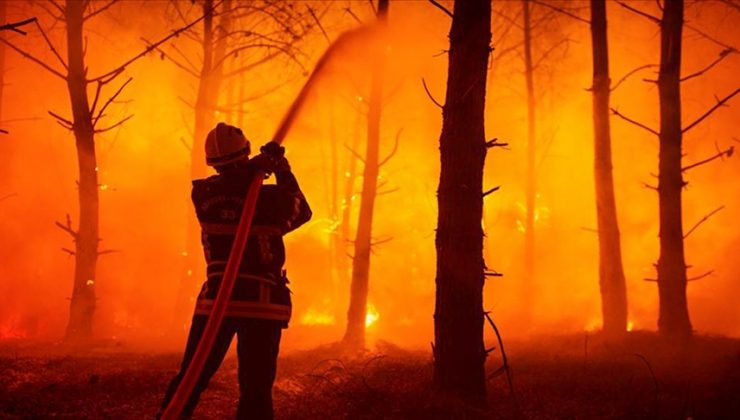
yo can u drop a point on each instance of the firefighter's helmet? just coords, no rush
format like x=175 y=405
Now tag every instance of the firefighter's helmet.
x=226 y=144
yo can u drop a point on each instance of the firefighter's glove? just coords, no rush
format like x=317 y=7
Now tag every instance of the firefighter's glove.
x=273 y=149
x=264 y=163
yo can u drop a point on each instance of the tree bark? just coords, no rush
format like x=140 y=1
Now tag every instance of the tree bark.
x=674 y=314
x=82 y=304
x=459 y=354
x=611 y=274
x=528 y=286
x=354 y=336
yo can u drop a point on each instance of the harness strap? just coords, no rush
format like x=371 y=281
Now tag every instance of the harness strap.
x=247 y=309
x=229 y=229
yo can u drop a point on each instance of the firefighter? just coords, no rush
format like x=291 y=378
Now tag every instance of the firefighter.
x=260 y=305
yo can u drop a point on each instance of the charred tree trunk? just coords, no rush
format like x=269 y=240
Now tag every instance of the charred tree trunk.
x=205 y=105
x=531 y=183
x=611 y=274
x=354 y=336
x=674 y=313
x=82 y=305
x=459 y=354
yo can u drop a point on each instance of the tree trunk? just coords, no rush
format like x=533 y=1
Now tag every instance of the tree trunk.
x=528 y=286
x=674 y=313
x=214 y=45
x=611 y=274
x=459 y=354
x=355 y=334
x=82 y=305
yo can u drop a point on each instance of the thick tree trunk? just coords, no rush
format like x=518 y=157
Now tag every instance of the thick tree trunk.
x=214 y=46
x=674 y=313
x=611 y=274
x=82 y=305
x=459 y=353
x=528 y=286
x=354 y=336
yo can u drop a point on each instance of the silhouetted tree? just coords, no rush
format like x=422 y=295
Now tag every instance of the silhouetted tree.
x=354 y=335
x=459 y=353
x=611 y=274
x=84 y=124
x=672 y=278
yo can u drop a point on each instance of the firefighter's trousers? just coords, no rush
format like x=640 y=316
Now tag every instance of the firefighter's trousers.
x=257 y=348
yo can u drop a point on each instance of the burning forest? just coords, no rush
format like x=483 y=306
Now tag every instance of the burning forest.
x=369 y=209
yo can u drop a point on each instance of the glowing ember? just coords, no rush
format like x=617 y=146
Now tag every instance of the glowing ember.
x=90 y=282
x=103 y=187
x=313 y=317
x=593 y=325
x=372 y=315
x=12 y=330
x=630 y=326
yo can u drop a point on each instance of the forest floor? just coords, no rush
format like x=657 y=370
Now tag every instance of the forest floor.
x=562 y=377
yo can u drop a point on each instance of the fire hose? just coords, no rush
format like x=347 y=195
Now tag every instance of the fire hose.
x=215 y=318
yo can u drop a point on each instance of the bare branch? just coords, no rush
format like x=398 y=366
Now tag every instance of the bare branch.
x=183 y=67
x=65 y=122
x=107 y=77
x=351 y=13
x=703 y=219
x=100 y=9
x=563 y=11
x=103 y=130
x=495 y=143
x=354 y=153
x=251 y=66
x=109 y=101
x=67 y=228
x=491 y=191
x=68 y=251
x=395 y=149
x=442 y=8
x=639 y=12
x=641 y=125
x=707 y=37
x=390 y=191
x=15 y=26
x=699 y=277
x=711 y=110
x=429 y=94
x=722 y=55
x=34 y=59
x=728 y=152
x=108 y=251
x=630 y=73
x=318 y=23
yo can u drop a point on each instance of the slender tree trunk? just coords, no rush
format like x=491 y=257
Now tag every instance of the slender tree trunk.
x=674 y=313
x=611 y=274
x=82 y=304
x=355 y=334
x=459 y=354
x=528 y=286
x=205 y=103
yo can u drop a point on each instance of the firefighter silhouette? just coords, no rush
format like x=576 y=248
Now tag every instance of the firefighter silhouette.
x=260 y=305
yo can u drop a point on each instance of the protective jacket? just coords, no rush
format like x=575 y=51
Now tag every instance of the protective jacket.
x=261 y=290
